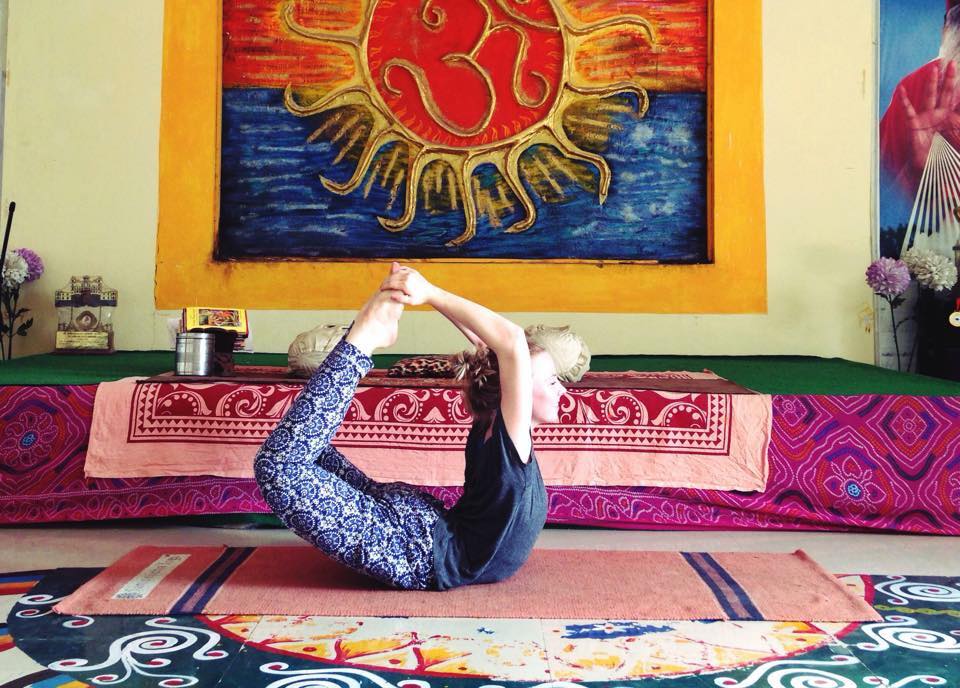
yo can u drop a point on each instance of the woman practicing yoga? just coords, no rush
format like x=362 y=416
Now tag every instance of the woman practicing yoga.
x=392 y=531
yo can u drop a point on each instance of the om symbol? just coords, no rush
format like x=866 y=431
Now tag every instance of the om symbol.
x=466 y=73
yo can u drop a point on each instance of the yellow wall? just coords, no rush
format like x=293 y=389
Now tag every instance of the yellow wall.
x=80 y=159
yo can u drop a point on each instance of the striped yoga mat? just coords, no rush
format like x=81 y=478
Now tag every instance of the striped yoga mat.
x=553 y=584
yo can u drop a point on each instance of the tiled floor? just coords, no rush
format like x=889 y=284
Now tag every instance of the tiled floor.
x=917 y=644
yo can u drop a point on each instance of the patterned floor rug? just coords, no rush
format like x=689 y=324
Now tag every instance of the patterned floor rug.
x=917 y=644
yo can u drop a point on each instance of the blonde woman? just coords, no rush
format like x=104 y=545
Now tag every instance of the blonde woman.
x=393 y=532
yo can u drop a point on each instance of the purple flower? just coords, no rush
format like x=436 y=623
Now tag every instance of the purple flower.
x=34 y=264
x=888 y=277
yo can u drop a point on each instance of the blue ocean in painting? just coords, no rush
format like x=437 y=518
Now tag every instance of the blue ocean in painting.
x=272 y=203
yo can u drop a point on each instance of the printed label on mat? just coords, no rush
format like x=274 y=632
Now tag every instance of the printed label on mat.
x=141 y=585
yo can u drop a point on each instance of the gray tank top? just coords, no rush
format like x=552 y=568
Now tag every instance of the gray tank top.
x=489 y=532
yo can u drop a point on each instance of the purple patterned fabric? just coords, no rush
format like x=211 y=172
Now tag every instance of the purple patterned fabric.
x=873 y=462
x=43 y=442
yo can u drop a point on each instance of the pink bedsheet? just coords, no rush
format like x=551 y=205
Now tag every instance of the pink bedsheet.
x=605 y=436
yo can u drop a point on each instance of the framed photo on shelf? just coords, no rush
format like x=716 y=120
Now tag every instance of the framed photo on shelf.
x=230 y=319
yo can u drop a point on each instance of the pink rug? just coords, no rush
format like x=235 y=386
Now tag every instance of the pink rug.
x=554 y=584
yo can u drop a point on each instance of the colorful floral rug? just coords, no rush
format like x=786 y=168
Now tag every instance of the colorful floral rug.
x=917 y=644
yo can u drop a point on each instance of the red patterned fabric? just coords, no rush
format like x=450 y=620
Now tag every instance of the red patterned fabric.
x=642 y=420
x=608 y=436
x=836 y=463
x=205 y=413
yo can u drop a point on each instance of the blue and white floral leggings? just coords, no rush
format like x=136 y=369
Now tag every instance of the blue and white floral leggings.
x=384 y=530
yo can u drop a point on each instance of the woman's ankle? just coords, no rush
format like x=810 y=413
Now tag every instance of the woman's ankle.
x=360 y=338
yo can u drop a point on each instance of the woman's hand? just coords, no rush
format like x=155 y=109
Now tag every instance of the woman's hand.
x=408 y=286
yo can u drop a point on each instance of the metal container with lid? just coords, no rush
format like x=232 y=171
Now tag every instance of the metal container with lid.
x=195 y=351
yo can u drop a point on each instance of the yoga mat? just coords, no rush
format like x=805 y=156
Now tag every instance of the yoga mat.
x=553 y=584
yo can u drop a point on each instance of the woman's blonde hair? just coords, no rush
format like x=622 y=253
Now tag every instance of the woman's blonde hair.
x=479 y=371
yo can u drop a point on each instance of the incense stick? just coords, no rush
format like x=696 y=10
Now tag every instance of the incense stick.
x=6 y=236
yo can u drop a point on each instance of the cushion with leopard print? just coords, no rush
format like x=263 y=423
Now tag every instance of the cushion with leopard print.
x=434 y=365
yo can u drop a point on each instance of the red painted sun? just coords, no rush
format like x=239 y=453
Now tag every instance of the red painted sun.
x=460 y=83
x=454 y=88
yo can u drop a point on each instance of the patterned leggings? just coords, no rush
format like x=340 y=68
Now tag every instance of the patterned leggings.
x=383 y=530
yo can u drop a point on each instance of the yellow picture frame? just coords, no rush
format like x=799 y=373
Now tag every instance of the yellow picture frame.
x=201 y=317
x=734 y=282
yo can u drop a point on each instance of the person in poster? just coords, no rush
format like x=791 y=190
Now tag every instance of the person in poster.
x=924 y=104
x=919 y=175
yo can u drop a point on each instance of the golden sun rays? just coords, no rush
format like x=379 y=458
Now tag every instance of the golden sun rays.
x=426 y=158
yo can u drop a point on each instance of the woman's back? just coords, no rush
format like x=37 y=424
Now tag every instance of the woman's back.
x=489 y=533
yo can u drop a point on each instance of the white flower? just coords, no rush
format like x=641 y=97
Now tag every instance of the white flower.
x=914 y=256
x=939 y=274
x=15 y=270
x=932 y=270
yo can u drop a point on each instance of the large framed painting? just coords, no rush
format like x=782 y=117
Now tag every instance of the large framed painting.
x=576 y=155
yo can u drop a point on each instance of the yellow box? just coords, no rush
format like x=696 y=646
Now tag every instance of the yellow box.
x=230 y=319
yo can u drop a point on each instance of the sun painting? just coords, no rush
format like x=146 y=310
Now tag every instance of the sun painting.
x=519 y=129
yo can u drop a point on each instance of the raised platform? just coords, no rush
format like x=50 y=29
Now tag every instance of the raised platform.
x=852 y=447
x=766 y=374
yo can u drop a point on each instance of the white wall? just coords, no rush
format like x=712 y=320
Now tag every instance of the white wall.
x=80 y=160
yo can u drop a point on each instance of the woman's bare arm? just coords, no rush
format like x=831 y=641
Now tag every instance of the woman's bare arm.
x=467 y=332
x=505 y=338
x=490 y=328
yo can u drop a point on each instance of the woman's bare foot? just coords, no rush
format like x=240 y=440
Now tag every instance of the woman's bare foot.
x=377 y=324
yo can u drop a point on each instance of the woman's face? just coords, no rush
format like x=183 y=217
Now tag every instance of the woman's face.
x=547 y=389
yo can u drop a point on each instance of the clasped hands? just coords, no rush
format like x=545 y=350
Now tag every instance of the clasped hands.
x=407 y=286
